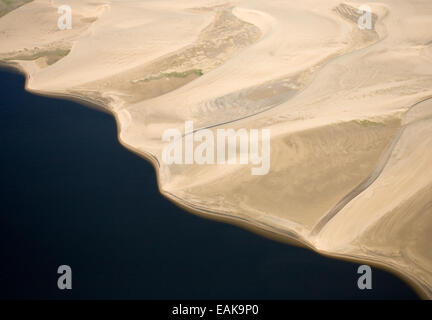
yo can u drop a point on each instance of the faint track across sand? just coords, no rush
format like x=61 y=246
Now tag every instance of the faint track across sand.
x=382 y=162
x=297 y=92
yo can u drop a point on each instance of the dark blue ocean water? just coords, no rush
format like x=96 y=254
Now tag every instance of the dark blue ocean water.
x=71 y=194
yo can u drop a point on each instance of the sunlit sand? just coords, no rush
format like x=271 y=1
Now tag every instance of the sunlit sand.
x=349 y=109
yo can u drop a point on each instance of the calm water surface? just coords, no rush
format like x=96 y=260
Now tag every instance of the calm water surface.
x=71 y=194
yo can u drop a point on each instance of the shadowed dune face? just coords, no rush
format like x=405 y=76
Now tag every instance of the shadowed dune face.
x=390 y=220
x=311 y=171
x=215 y=44
x=350 y=169
x=7 y=6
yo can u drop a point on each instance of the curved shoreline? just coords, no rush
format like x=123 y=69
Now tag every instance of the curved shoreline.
x=256 y=227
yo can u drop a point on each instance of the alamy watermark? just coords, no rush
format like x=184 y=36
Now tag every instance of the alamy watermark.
x=65 y=280
x=364 y=22
x=227 y=146
x=365 y=280
x=64 y=22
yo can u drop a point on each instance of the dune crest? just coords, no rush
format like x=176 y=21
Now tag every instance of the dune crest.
x=349 y=109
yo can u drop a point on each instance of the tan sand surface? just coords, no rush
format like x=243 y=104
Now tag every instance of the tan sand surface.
x=349 y=110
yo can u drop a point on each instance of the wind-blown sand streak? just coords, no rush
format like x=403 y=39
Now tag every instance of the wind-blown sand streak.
x=349 y=175
x=371 y=178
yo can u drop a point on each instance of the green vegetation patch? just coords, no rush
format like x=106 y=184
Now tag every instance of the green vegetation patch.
x=7 y=6
x=51 y=56
x=183 y=74
x=368 y=123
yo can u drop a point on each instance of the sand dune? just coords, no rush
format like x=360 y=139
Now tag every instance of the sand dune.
x=349 y=109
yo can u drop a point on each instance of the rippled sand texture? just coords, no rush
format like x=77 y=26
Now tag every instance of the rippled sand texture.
x=349 y=109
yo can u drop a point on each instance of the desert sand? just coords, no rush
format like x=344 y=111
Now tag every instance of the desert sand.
x=350 y=110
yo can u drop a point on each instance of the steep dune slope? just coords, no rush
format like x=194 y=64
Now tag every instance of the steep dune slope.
x=348 y=109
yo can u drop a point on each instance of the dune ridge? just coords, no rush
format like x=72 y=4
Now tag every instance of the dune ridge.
x=349 y=109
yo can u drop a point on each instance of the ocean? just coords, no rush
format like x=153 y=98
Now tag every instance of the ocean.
x=70 y=194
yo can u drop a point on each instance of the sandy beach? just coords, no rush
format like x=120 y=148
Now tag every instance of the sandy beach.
x=349 y=109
